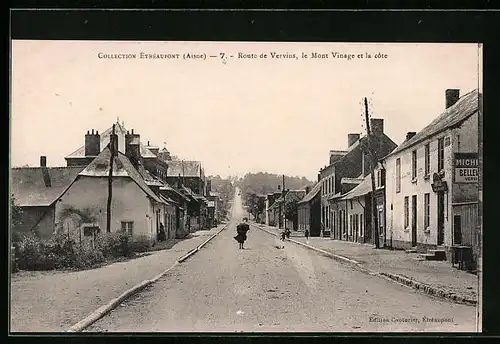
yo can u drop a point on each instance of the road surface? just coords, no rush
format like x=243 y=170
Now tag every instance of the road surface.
x=264 y=288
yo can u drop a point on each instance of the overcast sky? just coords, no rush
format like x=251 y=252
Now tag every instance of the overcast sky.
x=245 y=115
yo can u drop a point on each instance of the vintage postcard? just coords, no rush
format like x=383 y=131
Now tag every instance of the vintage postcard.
x=245 y=187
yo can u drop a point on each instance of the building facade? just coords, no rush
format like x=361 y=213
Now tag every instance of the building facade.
x=309 y=209
x=346 y=170
x=432 y=180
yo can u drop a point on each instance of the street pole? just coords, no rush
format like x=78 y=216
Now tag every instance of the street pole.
x=110 y=180
x=479 y=310
x=283 y=203
x=372 y=172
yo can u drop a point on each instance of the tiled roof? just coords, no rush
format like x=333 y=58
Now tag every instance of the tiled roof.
x=28 y=184
x=362 y=189
x=166 y=187
x=184 y=169
x=336 y=196
x=466 y=106
x=122 y=167
x=120 y=131
x=314 y=191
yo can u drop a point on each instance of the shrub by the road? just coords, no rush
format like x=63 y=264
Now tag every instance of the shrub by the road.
x=60 y=252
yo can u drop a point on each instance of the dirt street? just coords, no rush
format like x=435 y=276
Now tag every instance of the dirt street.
x=266 y=288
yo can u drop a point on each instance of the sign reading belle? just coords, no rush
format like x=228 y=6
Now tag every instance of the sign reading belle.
x=466 y=168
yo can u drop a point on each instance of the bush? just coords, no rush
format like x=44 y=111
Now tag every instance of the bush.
x=113 y=244
x=140 y=244
x=60 y=252
x=88 y=256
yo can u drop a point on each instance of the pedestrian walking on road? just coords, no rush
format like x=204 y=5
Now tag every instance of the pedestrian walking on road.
x=306 y=234
x=241 y=231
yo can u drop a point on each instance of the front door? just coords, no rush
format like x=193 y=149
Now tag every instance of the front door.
x=440 y=218
x=414 y=220
x=457 y=230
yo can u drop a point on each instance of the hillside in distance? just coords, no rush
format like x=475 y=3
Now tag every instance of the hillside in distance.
x=264 y=183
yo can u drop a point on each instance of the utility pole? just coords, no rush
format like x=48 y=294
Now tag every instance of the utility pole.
x=283 y=203
x=110 y=179
x=372 y=172
x=479 y=309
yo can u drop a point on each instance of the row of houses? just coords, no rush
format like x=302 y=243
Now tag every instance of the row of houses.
x=426 y=188
x=150 y=191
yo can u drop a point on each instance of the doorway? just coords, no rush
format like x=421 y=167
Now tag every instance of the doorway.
x=414 y=220
x=457 y=230
x=440 y=218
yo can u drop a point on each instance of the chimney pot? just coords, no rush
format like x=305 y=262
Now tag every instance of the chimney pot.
x=148 y=143
x=132 y=131
x=410 y=134
x=97 y=132
x=43 y=161
x=128 y=132
x=452 y=96
x=92 y=131
x=88 y=132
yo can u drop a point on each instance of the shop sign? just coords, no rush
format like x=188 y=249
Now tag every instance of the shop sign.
x=466 y=166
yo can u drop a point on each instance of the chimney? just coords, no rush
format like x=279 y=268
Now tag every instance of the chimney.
x=155 y=150
x=45 y=172
x=410 y=134
x=179 y=182
x=92 y=143
x=377 y=126
x=351 y=138
x=452 y=96
x=113 y=141
x=307 y=189
x=319 y=177
x=132 y=147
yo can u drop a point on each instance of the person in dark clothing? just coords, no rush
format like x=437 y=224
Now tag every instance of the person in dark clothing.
x=161 y=234
x=306 y=234
x=288 y=232
x=241 y=231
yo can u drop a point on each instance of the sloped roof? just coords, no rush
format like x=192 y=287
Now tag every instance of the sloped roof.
x=336 y=196
x=120 y=131
x=167 y=200
x=465 y=107
x=166 y=187
x=360 y=190
x=295 y=194
x=149 y=178
x=314 y=191
x=357 y=146
x=28 y=184
x=184 y=168
x=122 y=167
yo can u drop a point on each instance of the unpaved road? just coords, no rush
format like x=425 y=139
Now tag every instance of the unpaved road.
x=264 y=288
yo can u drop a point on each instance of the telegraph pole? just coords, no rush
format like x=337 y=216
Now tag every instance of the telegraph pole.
x=110 y=179
x=372 y=172
x=283 y=203
x=479 y=309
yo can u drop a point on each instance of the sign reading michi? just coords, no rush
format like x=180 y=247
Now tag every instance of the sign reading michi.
x=466 y=168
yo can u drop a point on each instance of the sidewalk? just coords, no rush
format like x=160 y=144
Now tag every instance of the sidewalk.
x=438 y=275
x=53 y=301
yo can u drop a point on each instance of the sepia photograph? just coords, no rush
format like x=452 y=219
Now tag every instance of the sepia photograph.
x=196 y=186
